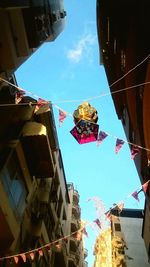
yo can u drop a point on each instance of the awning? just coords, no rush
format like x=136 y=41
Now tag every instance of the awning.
x=37 y=150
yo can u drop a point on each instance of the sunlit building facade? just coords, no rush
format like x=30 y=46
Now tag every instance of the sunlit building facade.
x=77 y=252
x=24 y=26
x=34 y=197
x=123 y=35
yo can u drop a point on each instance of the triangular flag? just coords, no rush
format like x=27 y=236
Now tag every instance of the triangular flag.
x=23 y=256
x=16 y=259
x=40 y=251
x=41 y=106
x=19 y=95
x=32 y=255
x=108 y=215
x=145 y=186
x=120 y=206
x=119 y=144
x=62 y=116
x=134 y=151
x=135 y=195
x=97 y=221
x=48 y=247
x=101 y=137
x=84 y=232
x=78 y=236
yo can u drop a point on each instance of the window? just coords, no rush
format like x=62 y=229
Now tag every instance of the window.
x=117 y=227
x=14 y=185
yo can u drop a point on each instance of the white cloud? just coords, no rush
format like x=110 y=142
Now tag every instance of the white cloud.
x=82 y=48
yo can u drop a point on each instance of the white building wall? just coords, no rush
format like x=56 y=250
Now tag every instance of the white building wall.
x=132 y=229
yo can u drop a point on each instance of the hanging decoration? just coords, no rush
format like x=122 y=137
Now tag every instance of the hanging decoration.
x=101 y=136
x=41 y=106
x=85 y=119
x=62 y=116
x=119 y=144
x=77 y=234
x=134 y=151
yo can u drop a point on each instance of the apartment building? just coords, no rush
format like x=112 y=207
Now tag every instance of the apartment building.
x=124 y=42
x=34 y=196
x=121 y=244
x=24 y=26
x=77 y=252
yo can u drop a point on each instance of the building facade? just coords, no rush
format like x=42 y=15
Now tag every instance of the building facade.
x=123 y=35
x=121 y=244
x=24 y=26
x=34 y=197
x=77 y=252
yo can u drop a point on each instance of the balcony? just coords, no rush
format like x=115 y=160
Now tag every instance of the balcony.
x=37 y=150
x=85 y=253
x=75 y=224
x=76 y=211
x=60 y=254
x=85 y=264
x=76 y=197
x=72 y=261
x=73 y=244
x=6 y=233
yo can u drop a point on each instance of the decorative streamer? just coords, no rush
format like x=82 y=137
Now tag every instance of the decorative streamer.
x=101 y=136
x=97 y=221
x=41 y=106
x=77 y=234
x=134 y=151
x=135 y=195
x=23 y=256
x=62 y=116
x=145 y=186
x=31 y=255
x=119 y=144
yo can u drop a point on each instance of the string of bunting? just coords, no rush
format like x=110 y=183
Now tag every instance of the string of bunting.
x=30 y=254
x=43 y=106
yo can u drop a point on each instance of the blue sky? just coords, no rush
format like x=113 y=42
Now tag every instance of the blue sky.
x=69 y=69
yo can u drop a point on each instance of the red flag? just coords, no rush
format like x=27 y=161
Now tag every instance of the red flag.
x=78 y=236
x=40 y=251
x=135 y=195
x=32 y=255
x=62 y=116
x=108 y=215
x=119 y=144
x=120 y=206
x=23 y=256
x=41 y=106
x=16 y=259
x=101 y=137
x=97 y=221
x=134 y=151
x=19 y=95
x=48 y=247
x=84 y=232
x=145 y=186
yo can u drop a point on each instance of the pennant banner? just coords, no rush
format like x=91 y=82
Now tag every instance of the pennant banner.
x=119 y=144
x=62 y=116
x=134 y=151
x=101 y=137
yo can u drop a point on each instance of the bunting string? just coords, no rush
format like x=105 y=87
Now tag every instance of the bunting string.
x=64 y=114
x=94 y=97
x=82 y=229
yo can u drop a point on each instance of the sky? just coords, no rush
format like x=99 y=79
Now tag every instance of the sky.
x=69 y=69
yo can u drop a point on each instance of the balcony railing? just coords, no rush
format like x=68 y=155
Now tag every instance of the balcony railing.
x=75 y=224
x=85 y=253
x=76 y=196
x=76 y=211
